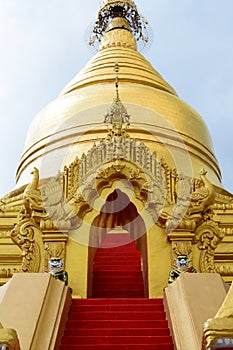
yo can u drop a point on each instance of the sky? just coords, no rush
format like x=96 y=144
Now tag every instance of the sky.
x=43 y=44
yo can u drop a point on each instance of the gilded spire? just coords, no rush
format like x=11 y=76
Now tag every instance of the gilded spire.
x=117 y=114
x=125 y=9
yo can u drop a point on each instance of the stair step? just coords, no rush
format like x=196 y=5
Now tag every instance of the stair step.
x=124 y=264
x=117 y=268
x=110 y=324
x=111 y=285
x=116 y=301
x=102 y=277
x=118 y=332
x=119 y=294
x=118 y=251
x=118 y=246
x=109 y=259
x=116 y=307
x=115 y=245
x=124 y=274
x=112 y=244
x=104 y=339
x=102 y=324
x=165 y=346
x=117 y=315
x=115 y=258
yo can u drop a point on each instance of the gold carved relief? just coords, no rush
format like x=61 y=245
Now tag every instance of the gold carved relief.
x=193 y=198
x=116 y=158
x=23 y=235
x=58 y=211
x=207 y=237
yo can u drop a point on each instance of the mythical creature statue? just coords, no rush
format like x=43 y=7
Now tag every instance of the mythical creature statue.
x=32 y=195
x=182 y=266
x=203 y=196
x=56 y=270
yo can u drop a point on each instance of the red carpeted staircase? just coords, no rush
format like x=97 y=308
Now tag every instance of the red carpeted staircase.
x=117 y=269
x=118 y=316
x=110 y=324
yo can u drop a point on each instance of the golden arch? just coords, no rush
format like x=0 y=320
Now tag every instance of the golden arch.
x=144 y=191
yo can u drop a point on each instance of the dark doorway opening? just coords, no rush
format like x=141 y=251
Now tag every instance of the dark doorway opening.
x=118 y=214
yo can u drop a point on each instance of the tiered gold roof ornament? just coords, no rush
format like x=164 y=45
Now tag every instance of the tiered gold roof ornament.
x=119 y=8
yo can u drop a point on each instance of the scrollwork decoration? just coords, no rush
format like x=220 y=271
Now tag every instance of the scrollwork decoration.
x=207 y=238
x=23 y=235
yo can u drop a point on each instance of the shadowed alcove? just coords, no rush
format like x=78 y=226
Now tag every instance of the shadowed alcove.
x=118 y=212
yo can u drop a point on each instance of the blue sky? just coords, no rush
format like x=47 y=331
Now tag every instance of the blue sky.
x=43 y=46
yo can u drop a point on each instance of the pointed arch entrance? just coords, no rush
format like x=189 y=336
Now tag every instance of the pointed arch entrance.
x=118 y=214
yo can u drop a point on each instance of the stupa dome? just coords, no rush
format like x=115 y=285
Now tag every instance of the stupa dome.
x=72 y=123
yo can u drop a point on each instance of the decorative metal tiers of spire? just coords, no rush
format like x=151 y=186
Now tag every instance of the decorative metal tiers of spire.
x=117 y=114
x=119 y=8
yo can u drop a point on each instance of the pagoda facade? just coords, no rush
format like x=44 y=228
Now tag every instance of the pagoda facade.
x=117 y=136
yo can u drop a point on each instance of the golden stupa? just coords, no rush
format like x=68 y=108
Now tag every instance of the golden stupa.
x=158 y=116
x=117 y=127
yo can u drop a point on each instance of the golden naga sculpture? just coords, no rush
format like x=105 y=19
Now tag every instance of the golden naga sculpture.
x=218 y=331
x=8 y=339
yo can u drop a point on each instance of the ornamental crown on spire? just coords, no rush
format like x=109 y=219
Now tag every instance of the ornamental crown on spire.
x=119 y=8
x=117 y=114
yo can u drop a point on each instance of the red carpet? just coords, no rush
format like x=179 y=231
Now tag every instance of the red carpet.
x=117 y=269
x=109 y=324
x=118 y=316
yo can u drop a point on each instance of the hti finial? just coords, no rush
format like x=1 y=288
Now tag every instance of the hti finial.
x=126 y=9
